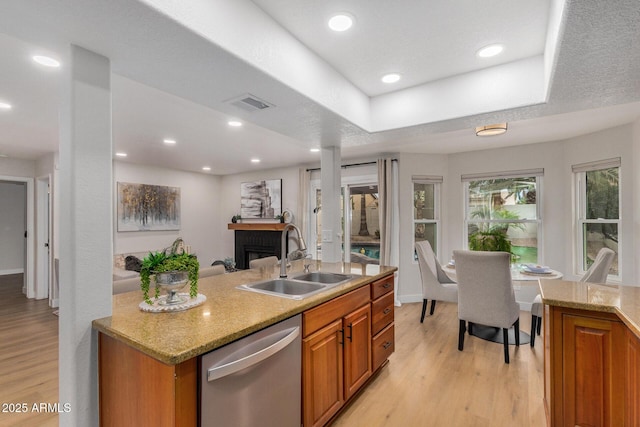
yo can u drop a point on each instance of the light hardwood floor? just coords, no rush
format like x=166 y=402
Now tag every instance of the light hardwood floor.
x=427 y=381
x=28 y=356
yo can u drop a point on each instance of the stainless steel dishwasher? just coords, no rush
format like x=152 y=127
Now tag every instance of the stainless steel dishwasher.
x=255 y=381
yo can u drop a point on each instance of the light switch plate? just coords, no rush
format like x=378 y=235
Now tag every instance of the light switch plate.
x=327 y=236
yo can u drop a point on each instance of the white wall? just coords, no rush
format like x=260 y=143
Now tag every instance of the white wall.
x=12 y=226
x=201 y=203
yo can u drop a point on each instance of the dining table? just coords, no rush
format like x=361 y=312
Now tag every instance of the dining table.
x=525 y=283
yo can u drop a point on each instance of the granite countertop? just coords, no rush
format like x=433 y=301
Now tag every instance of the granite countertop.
x=621 y=300
x=227 y=315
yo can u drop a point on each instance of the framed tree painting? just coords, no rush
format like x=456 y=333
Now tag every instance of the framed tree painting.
x=261 y=199
x=144 y=207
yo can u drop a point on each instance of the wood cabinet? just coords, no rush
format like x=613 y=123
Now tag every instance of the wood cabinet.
x=632 y=382
x=584 y=368
x=336 y=357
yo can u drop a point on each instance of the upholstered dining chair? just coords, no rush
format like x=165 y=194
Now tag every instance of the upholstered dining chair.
x=597 y=273
x=485 y=294
x=436 y=285
x=269 y=261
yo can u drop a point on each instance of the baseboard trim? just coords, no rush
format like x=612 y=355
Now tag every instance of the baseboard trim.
x=55 y=303
x=11 y=271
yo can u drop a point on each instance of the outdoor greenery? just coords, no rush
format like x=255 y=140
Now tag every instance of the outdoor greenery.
x=493 y=240
x=170 y=259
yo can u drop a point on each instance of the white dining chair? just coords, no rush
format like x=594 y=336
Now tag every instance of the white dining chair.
x=436 y=285
x=597 y=273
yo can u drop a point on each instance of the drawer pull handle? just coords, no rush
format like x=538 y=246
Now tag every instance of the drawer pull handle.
x=386 y=285
x=350 y=332
x=386 y=311
x=386 y=345
x=342 y=333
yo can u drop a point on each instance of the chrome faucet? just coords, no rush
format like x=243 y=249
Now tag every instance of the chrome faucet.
x=299 y=253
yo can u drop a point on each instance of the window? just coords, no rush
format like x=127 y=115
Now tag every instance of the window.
x=426 y=211
x=598 y=211
x=502 y=213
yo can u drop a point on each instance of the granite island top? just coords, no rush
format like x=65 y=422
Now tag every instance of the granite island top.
x=618 y=299
x=227 y=315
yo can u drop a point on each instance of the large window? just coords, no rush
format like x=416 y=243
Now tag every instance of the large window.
x=502 y=213
x=598 y=211
x=426 y=211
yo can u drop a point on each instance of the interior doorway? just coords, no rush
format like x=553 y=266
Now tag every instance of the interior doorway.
x=22 y=232
x=44 y=280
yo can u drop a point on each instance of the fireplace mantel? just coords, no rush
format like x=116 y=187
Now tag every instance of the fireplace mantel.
x=257 y=226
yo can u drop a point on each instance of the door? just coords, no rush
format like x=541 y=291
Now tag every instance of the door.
x=43 y=240
x=357 y=349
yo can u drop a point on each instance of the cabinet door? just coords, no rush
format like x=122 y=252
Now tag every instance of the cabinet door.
x=357 y=349
x=322 y=364
x=632 y=403
x=593 y=373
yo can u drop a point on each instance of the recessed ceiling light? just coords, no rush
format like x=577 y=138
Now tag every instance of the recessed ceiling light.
x=234 y=123
x=315 y=150
x=254 y=160
x=340 y=22
x=390 y=78
x=489 y=51
x=46 y=61
x=206 y=168
x=5 y=106
x=169 y=141
x=121 y=154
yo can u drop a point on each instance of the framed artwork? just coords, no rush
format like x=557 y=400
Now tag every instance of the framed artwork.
x=261 y=199
x=144 y=207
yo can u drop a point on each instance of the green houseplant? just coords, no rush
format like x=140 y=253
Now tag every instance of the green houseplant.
x=172 y=259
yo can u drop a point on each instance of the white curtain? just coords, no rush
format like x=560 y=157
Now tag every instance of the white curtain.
x=388 y=206
x=302 y=214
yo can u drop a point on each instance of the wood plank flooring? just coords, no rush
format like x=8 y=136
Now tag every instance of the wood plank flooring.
x=427 y=382
x=28 y=356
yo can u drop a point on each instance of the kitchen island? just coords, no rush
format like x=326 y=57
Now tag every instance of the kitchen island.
x=591 y=353
x=148 y=362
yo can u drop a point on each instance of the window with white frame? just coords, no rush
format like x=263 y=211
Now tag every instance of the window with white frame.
x=597 y=187
x=426 y=211
x=502 y=213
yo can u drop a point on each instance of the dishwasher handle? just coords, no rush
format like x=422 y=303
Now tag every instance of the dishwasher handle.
x=252 y=359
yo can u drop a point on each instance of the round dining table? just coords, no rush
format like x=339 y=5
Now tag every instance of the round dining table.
x=524 y=282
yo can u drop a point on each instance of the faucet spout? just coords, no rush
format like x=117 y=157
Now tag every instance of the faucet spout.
x=300 y=253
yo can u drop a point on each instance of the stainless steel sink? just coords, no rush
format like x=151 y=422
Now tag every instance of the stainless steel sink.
x=285 y=288
x=322 y=277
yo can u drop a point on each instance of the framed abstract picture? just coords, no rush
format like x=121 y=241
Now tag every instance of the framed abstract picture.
x=261 y=199
x=144 y=207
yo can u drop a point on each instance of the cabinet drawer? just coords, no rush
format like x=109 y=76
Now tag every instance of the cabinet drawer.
x=381 y=313
x=322 y=315
x=381 y=287
x=382 y=346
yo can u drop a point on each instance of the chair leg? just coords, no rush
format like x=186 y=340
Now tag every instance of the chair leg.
x=424 y=309
x=539 y=324
x=433 y=307
x=534 y=321
x=461 y=330
x=516 y=332
x=470 y=327
x=505 y=338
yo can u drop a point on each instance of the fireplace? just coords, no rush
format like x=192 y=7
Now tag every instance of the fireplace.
x=254 y=244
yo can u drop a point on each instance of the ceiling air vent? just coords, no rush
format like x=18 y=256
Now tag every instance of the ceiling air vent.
x=248 y=102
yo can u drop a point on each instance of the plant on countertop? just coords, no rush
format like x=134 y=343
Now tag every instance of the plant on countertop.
x=171 y=259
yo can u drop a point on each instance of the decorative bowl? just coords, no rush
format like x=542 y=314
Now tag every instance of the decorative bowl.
x=171 y=282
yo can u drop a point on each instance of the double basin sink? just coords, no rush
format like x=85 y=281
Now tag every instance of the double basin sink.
x=298 y=287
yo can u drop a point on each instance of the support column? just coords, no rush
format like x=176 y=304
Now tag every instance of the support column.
x=331 y=217
x=85 y=229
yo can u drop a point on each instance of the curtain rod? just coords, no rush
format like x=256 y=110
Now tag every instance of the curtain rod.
x=351 y=165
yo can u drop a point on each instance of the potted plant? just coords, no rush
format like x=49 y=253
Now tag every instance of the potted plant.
x=167 y=265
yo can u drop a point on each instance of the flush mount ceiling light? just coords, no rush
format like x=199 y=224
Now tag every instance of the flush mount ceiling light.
x=314 y=150
x=169 y=141
x=46 y=61
x=340 y=22
x=206 y=168
x=254 y=160
x=5 y=106
x=121 y=154
x=491 y=130
x=234 y=123
x=491 y=50
x=390 y=78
